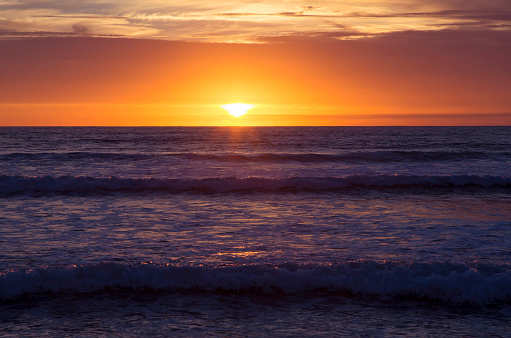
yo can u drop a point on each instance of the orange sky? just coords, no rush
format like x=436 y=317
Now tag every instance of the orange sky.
x=384 y=67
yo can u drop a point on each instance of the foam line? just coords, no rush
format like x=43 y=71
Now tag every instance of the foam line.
x=453 y=283
x=68 y=184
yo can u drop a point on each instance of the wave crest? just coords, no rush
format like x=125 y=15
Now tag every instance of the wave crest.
x=347 y=157
x=10 y=185
x=453 y=283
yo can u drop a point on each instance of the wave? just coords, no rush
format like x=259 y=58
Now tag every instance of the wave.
x=348 y=157
x=10 y=185
x=447 y=282
x=351 y=157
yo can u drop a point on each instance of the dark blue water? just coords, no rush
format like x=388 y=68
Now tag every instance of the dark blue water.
x=255 y=231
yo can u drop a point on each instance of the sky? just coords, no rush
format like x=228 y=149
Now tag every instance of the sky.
x=155 y=62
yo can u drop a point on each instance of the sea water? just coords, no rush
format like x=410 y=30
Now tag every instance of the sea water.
x=265 y=231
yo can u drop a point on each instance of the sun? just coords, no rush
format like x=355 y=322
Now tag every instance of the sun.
x=237 y=109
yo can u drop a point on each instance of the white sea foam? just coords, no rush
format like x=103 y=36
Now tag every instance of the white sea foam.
x=68 y=184
x=478 y=284
x=268 y=157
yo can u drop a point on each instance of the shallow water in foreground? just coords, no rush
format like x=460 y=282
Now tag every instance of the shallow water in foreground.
x=164 y=314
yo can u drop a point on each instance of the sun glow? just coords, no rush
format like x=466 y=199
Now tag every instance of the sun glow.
x=237 y=109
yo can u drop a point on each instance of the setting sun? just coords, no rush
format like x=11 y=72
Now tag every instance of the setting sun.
x=237 y=109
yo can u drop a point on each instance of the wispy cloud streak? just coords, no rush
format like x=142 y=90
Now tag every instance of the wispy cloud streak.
x=246 y=20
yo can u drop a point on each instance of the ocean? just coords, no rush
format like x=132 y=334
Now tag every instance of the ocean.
x=255 y=231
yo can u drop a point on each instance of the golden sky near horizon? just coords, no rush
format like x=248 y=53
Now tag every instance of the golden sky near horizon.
x=403 y=62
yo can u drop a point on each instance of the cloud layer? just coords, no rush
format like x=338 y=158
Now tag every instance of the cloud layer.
x=248 y=20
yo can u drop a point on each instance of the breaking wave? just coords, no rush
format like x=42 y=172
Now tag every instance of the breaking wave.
x=10 y=185
x=347 y=157
x=446 y=282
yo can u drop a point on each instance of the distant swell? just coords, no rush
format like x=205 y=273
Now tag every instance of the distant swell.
x=453 y=283
x=10 y=185
x=348 y=157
